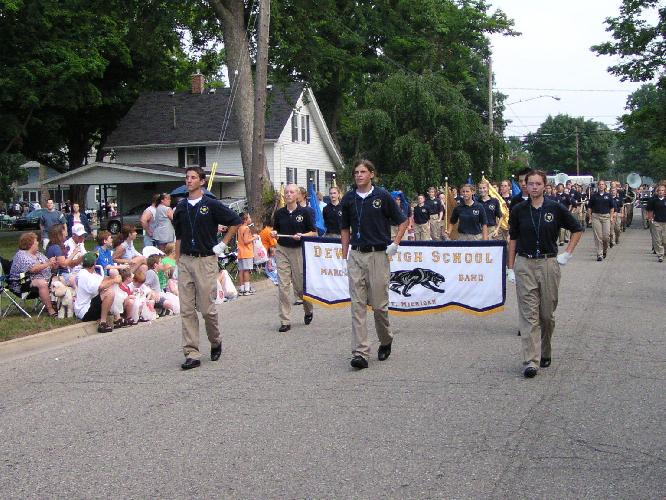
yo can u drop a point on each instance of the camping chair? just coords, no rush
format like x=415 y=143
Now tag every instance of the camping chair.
x=18 y=301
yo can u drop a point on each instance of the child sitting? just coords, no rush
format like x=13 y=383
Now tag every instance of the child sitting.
x=163 y=300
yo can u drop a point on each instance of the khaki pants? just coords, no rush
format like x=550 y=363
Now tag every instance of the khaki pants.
x=290 y=277
x=537 y=283
x=368 y=286
x=394 y=233
x=616 y=229
x=197 y=287
x=469 y=237
x=564 y=235
x=579 y=213
x=658 y=231
x=502 y=234
x=601 y=230
x=422 y=232
x=435 y=227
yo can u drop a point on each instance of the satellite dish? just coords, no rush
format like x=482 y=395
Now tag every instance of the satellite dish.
x=561 y=178
x=634 y=180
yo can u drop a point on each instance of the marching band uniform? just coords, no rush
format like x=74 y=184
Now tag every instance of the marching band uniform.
x=656 y=209
x=436 y=211
x=493 y=214
x=601 y=210
x=536 y=271
x=565 y=200
x=332 y=215
x=421 y=223
x=471 y=218
x=616 y=227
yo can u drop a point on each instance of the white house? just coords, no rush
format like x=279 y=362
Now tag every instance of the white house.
x=164 y=132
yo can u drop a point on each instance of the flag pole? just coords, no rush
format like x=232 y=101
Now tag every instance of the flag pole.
x=446 y=191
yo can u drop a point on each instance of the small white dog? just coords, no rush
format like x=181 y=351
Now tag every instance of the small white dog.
x=64 y=298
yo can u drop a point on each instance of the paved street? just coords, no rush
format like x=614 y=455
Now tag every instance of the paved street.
x=449 y=415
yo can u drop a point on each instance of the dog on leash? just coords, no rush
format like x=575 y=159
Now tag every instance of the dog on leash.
x=64 y=298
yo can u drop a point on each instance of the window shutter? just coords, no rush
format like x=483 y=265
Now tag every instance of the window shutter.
x=202 y=156
x=294 y=127
x=307 y=127
x=181 y=157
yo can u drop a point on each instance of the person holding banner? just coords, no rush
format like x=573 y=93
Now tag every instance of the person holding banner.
x=470 y=216
x=534 y=267
x=290 y=224
x=367 y=215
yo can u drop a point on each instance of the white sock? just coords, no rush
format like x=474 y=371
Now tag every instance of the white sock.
x=247 y=286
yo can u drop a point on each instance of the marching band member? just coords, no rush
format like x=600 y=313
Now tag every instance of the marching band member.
x=367 y=214
x=421 y=220
x=472 y=216
x=564 y=199
x=601 y=212
x=290 y=224
x=332 y=213
x=436 y=214
x=534 y=267
x=492 y=208
x=656 y=214
x=616 y=226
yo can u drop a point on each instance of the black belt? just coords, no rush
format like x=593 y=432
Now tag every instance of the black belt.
x=197 y=254
x=369 y=248
x=542 y=256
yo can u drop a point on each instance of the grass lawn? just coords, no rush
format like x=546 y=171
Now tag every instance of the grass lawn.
x=14 y=326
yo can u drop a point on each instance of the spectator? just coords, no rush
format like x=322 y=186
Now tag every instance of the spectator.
x=77 y=240
x=269 y=244
x=50 y=218
x=65 y=260
x=245 y=253
x=104 y=252
x=77 y=217
x=123 y=248
x=28 y=260
x=163 y=231
x=148 y=221
x=94 y=294
x=161 y=298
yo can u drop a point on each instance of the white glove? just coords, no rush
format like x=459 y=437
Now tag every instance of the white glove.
x=563 y=258
x=511 y=275
x=391 y=250
x=220 y=248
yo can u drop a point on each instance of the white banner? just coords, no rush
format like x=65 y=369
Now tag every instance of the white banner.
x=426 y=276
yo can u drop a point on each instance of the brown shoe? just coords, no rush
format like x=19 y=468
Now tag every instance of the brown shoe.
x=104 y=328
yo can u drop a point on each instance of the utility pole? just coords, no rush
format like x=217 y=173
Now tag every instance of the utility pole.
x=260 y=94
x=490 y=111
x=577 y=154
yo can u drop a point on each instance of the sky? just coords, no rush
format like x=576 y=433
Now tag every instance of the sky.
x=553 y=57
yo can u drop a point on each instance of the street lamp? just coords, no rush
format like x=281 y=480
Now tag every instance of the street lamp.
x=534 y=98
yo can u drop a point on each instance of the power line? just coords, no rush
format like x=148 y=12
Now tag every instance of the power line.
x=563 y=90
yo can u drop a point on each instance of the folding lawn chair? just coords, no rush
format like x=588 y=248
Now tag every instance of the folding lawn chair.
x=18 y=301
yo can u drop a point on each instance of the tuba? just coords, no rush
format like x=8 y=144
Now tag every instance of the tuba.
x=634 y=181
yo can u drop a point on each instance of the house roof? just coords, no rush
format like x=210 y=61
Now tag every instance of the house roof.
x=198 y=118
x=118 y=173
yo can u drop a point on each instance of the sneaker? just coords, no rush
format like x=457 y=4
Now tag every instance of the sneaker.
x=251 y=291
x=359 y=362
x=104 y=328
x=660 y=259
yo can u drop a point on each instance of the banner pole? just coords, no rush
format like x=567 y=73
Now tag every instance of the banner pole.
x=446 y=192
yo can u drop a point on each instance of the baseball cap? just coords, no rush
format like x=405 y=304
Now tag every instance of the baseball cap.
x=78 y=230
x=89 y=259
x=151 y=250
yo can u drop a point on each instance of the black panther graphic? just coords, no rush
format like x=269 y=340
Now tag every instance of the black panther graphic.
x=417 y=276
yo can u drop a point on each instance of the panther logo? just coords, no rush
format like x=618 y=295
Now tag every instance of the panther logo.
x=548 y=217
x=299 y=218
x=377 y=203
x=203 y=210
x=417 y=276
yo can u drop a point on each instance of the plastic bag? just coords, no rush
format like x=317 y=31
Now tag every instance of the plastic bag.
x=260 y=254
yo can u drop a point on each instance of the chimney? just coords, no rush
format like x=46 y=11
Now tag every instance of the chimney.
x=197 y=83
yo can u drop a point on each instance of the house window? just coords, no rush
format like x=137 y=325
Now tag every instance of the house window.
x=300 y=128
x=313 y=176
x=328 y=180
x=292 y=176
x=192 y=156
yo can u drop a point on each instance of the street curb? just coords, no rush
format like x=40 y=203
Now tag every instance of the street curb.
x=60 y=336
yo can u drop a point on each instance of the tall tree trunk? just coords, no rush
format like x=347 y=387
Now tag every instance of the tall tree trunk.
x=236 y=44
x=260 y=177
x=77 y=153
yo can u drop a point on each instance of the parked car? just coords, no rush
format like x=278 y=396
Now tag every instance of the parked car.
x=29 y=221
x=132 y=216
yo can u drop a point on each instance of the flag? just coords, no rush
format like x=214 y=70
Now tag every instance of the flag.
x=314 y=204
x=504 y=221
x=280 y=201
x=515 y=188
x=404 y=204
x=450 y=205
x=469 y=179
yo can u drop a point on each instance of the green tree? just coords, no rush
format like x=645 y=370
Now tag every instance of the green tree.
x=10 y=173
x=553 y=146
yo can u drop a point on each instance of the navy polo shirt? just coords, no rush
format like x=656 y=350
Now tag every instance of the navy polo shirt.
x=600 y=203
x=369 y=219
x=459 y=200
x=618 y=203
x=516 y=200
x=470 y=218
x=332 y=215
x=196 y=226
x=493 y=211
x=658 y=207
x=575 y=197
x=421 y=214
x=564 y=199
x=538 y=229
x=434 y=206
x=299 y=220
